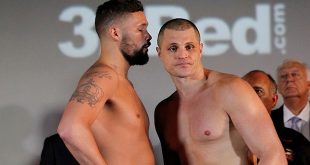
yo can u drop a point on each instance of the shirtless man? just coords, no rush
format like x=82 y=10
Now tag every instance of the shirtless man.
x=105 y=122
x=212 y=118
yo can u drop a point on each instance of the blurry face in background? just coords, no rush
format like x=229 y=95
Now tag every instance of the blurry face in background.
x=263 y=87
x=292 y=81
x=180 y=51
x=135 y=39
x=308 y=78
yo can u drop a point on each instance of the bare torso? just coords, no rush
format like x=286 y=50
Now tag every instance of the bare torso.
x=200 y=131
x=121 y=129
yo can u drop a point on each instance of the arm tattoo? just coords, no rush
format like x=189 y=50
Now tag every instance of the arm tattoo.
x=89 y=92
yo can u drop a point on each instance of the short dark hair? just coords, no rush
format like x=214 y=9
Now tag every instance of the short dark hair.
x=177 y=24
x=274 y=86
x=112 y=10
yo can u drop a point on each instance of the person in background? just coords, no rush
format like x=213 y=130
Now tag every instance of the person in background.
x=105 y=121
x=297 y=147
x=294 y=88
x=264 y=86
x=212 y=117
x=308 y=77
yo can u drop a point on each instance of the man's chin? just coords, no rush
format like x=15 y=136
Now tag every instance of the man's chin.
x=143 y=62
x=140 y=60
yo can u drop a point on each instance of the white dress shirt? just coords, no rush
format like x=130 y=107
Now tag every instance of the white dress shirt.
x=304 y=115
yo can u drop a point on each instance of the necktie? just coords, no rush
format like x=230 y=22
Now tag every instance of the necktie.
x=295 y=120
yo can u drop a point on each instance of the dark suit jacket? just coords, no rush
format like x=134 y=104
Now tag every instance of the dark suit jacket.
x=55 y=152
x=292 y=141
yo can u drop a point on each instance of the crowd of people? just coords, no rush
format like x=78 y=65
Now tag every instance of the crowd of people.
x=211 y=118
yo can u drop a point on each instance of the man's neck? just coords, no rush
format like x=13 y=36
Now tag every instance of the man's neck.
x=190 y=86
x=295 y=105
x=116 y=61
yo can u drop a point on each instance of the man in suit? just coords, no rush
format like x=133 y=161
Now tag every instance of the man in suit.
x=297 y=147
x=294 y=88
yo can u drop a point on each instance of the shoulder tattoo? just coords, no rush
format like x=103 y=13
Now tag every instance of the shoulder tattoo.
x=89 y=92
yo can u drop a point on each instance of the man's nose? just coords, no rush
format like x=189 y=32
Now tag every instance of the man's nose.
x=148 y=36
x=290 y=77
x=183 y=53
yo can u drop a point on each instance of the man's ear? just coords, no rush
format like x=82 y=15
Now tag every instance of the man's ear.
x=201 y=48
x=309 y=87
x=115 y=33
x=158 y=51
x=275 y=100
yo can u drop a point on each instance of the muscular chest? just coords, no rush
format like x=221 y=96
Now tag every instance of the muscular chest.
x=201 y=121
x=197 y=121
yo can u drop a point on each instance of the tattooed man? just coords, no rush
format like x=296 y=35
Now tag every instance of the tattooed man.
x=105 y=122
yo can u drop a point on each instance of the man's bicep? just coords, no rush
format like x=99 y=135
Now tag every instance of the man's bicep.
x=93 y=90
x=252 y=120
x=170 y=156
x=258 y=130
x=89 y=93
x=158 y=119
